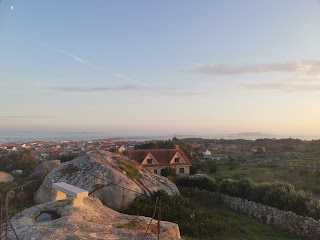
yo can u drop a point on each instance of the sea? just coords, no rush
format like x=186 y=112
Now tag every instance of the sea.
x=28 y=136
x=73 y=136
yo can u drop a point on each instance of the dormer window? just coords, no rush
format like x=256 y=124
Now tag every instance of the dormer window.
x=149 y=161
x=176 y=160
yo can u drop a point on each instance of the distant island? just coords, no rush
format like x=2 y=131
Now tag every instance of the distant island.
x=252 y=134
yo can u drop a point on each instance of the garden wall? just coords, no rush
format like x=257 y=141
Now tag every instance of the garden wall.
x=303 y=226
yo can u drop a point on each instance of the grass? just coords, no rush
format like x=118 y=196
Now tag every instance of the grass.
x=133 y=224
x=131 y=169
x=70 y=169
x=303 y=173
x=236 y=226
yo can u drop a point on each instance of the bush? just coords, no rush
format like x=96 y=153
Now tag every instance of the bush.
x=276 y=193
x=207 y=183
x=170 y=173
x=238 y=188
x=68 y=157
x=130 y=167
x=192 y=220
x=193 y=170
x=22 y=160
x=213 y=168
x=279 y=194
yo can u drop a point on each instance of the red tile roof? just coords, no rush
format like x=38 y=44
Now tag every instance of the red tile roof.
x=162 y=156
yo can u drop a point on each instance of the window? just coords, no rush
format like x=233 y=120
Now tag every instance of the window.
x=176 y=160
x=181 y=170
x=155 y=171
x=149 y=161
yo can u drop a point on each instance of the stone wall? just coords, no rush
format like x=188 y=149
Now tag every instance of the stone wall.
x=305 y=227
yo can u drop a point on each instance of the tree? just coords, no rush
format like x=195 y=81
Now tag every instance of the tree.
x=170 y=173
x=68 y=157
x=23 y=160
x=168 y=144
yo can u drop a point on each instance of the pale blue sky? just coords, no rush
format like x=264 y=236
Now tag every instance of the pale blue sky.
x=160 y=67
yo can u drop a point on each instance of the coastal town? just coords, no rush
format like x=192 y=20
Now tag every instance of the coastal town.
x=47 y=150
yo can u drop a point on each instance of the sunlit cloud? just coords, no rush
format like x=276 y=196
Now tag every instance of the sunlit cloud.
x=303 y=75
x=307 y=66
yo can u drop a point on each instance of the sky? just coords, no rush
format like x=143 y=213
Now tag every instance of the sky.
x=160 y=67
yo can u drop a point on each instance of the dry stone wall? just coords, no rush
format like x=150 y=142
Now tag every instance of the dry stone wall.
x=305 y=227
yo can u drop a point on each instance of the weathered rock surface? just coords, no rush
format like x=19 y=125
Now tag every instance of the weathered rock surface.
x=99 y=173
x=44 y=168
x=5 y=177
x=90 y=221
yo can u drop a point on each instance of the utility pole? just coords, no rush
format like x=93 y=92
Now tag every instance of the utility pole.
x=7 y=216
x=1 y=220
x=159 y=219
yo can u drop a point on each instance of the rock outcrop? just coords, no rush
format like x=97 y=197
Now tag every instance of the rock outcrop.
x=5 y=177
x=44 y=168
x=90 y=221
x=100 y=173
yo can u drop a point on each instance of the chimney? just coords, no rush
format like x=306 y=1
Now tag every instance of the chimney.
x=177 y=147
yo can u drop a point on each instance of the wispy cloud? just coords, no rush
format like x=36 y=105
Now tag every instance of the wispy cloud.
x=303 y=75
x=295 y=85
x=94 y=89
x=307 y=66
x=24 y=117
x=130 y=87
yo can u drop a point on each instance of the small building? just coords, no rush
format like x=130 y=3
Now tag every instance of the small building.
x=157 y=159
x=11 y=148
x=207 y=153
x=258 y=149
x=122 y=149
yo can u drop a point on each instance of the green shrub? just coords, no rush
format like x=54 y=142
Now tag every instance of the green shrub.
x=130 y=167
x=313 y=206
x=238 y=188
x=193 y=170
x=192 y=221
x=275 y=194
x=69 y=170
x=170 y=173
x=207 y=183
x=213 y=168
x=68 y=157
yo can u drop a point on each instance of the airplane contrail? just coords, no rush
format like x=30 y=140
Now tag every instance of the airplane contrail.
x=74 y=57
x=121 y=76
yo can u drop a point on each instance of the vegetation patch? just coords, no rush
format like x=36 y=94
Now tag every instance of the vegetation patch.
x=133 y=224
x=207 y=220
x=68 y=157
x=130 y=167
x=207 y=183
x=170 y=173
x=69 y=170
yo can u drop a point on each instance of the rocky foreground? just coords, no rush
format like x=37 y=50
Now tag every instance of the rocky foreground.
x=100 y=173
x=90 y=221
x=5 y=177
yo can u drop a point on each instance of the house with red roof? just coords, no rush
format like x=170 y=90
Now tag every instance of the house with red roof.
x=157 y=159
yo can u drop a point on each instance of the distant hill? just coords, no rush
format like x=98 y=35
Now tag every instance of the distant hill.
x=253 y=134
